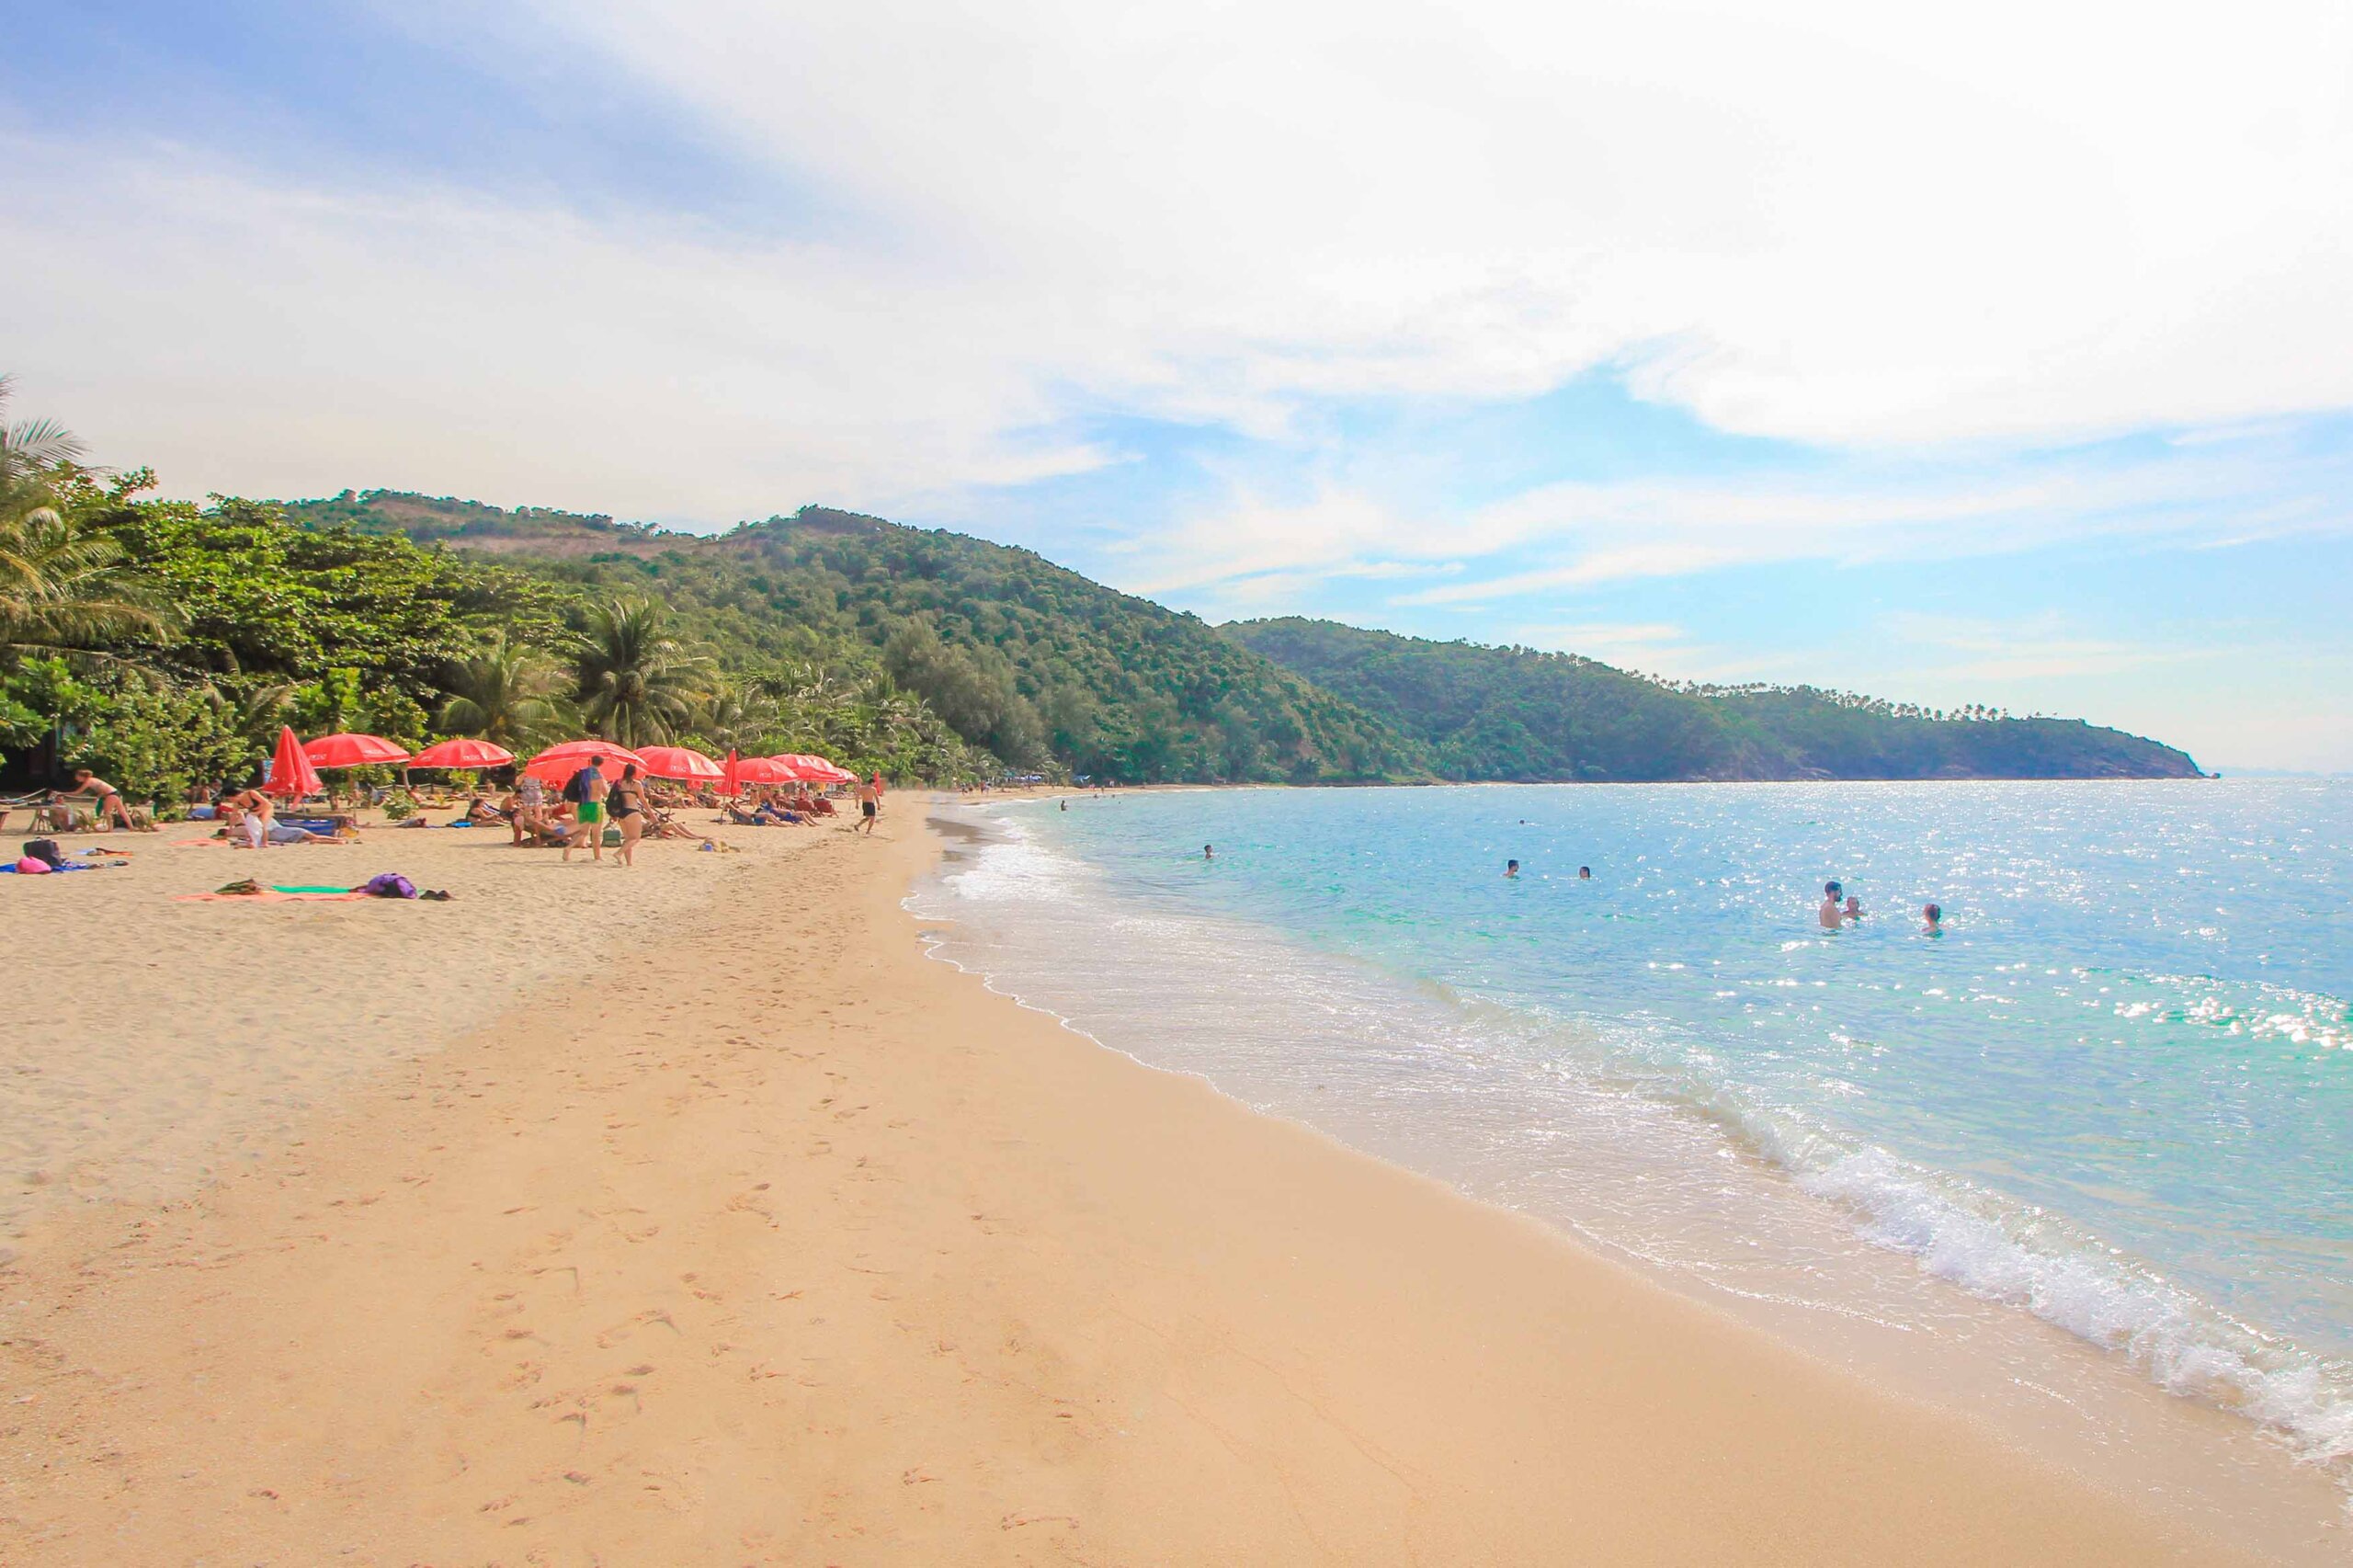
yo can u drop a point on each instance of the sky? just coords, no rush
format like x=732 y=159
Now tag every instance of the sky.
x=2000 y=354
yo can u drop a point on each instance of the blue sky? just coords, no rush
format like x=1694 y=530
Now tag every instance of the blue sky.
x=2010 y=364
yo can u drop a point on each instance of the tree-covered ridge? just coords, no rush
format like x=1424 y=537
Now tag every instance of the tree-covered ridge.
x=1516 y=713
x=162 y=643
x=1042 y=667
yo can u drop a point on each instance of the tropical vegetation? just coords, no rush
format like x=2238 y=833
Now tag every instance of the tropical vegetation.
x=1518 y=713
x=163 y=643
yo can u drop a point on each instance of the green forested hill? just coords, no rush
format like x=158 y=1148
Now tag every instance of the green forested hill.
x=163 y=643
x=1039 y=664
x=1516 y=713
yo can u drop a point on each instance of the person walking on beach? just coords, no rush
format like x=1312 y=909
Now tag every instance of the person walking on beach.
x=628 y=799
x=586 y=790
x=870 y=802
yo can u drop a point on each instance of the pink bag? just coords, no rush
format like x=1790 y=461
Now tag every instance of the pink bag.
x=29 y=867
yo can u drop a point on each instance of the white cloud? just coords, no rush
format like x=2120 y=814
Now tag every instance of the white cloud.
x=1573 y=535
x=1849 y=223
x=1829 y=219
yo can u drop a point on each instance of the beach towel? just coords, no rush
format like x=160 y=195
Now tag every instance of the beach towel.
x=30 y=867
x=251 y=892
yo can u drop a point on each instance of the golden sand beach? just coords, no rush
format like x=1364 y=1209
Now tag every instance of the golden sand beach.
x=689 y=1215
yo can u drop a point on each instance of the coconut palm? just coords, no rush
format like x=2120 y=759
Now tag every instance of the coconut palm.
x=63 y=589
x=639 y=685
x=509 y=694
x=739 y=718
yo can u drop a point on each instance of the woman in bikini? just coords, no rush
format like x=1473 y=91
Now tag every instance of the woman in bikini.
x=626 y=799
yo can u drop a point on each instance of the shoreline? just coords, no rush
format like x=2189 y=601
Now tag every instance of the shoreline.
x=785 y=1243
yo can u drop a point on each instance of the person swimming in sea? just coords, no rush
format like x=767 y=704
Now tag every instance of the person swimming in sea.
x=1585 y=873
x=1511 y=868
x=1209 y=851
x=1854 y=910
x=1932 y=921
x=1831 y=916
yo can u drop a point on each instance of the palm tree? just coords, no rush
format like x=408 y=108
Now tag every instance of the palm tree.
x=739 y=718
x=638 y=683
x=63 y=588
x=507 y=694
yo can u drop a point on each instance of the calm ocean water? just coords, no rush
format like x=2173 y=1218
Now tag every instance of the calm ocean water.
x=2117 y=1094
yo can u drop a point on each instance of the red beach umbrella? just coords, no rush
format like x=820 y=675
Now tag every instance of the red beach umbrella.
x=731 y=777
x=290 y=773
x=679 y=762
x=463 y=752
x=353 y=751
x=809 y=769
x=763 y=770
x=560 y=762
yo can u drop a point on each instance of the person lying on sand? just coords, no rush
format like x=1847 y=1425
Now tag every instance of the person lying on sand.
x=479 y=810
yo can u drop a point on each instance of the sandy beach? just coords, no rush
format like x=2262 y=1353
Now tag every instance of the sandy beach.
x=690 y=1215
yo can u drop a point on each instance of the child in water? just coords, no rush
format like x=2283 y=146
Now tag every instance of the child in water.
x=1932 y=922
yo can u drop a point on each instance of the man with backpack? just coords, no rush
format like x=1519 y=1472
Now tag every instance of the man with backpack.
x=585 y=790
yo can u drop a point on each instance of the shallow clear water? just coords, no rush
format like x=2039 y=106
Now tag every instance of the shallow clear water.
x=2117 y=1091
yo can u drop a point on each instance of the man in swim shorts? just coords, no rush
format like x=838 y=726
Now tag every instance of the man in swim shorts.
x=869 y=802
x=588 y=789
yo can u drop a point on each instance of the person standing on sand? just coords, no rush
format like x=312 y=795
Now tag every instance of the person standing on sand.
x=530 y=805
x=586 y=790
x=870 y=802
x=627 y=797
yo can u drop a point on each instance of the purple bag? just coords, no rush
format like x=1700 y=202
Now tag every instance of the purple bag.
x=391 y=884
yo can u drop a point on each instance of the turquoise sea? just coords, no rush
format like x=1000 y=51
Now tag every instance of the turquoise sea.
x=2116 y=1094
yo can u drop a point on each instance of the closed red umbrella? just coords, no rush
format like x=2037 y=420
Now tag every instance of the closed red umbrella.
x=731 y=777
x=353 y=751
x=559 y=763
x=290 y=773
x=463 y=752
x=679 y=761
